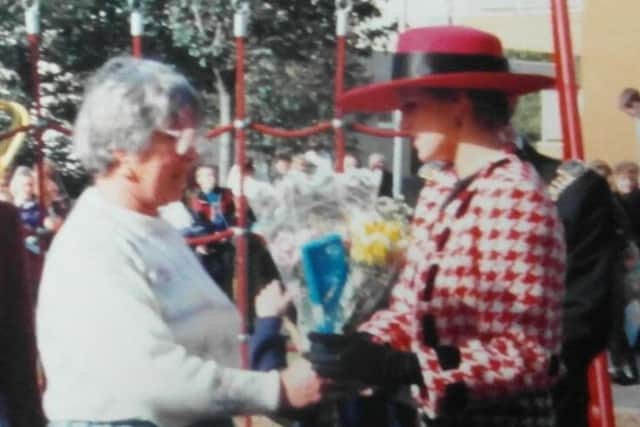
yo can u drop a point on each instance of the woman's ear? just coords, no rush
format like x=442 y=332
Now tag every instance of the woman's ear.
x=124 y=164
x=461 y=110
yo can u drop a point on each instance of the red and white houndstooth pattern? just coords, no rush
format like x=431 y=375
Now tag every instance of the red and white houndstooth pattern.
x=479 y=300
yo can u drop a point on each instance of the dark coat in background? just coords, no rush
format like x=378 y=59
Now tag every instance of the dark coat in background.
x=586 y=210
x=18 y=378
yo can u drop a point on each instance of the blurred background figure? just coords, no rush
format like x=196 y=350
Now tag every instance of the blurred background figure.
x=281 y=166
x=214 y=210
x=377 y=162
x=626 y=187
x=254 y=190
x=624 y=181
x=213 y=205
x=20 y=402
x=299 y=163
x=350 y=162
x=629 y=102
x=23 y=194
x=602 y=168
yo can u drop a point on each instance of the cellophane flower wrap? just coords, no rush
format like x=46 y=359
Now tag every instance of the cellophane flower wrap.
x=375 y=231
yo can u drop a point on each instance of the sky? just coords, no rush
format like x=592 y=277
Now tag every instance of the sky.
x=418 y=12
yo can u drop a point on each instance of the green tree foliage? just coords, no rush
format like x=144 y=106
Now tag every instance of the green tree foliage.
x=290 y=56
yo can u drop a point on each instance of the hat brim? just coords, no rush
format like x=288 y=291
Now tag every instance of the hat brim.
x=385 y=96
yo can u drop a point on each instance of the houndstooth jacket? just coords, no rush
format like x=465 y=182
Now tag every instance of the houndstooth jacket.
x=479 y=299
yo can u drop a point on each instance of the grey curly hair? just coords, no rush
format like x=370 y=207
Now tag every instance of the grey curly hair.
x=125 y=101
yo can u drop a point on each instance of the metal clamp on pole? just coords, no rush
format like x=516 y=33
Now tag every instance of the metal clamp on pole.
x=137 y=24
x=241 y=124
x=32 y=16
x=240 y=18
x=343 y=8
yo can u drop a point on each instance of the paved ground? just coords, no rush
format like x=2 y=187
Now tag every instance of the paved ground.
x=627 y=403
x=627 y=397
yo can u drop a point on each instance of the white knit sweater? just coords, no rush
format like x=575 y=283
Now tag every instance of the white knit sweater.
x=131 y=327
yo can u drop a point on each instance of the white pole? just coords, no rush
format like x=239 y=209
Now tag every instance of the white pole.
x=398 y=143
x=397 y=118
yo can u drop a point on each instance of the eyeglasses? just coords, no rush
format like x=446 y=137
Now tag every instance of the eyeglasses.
x=185 y=138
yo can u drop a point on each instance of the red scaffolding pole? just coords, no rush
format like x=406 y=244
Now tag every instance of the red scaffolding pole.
x=601 y=412
x=240 y=25
x=136 y=33
x=32 y=22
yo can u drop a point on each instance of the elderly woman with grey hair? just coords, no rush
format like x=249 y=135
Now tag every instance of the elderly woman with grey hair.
x=131 y=330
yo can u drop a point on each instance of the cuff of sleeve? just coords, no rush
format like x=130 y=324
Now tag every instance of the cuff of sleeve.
x=269 y=387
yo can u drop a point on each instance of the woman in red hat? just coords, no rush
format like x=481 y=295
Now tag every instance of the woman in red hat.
x=474 y=322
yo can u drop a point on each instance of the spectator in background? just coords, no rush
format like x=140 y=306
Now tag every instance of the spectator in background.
x=56 y=199
x=377 y=163
x=602 y=168
x=626 y=186
x=214 y=210
x=20 y=402
x=213 y=205
x=253 y=189
x=350 y=162
x=281 y=166
x=131 y=329
x=623 y=367
x=299 y=163
x=629 y=103
x=23 y=193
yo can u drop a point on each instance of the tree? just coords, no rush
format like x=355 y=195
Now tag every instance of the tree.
x=290 y=60
x=290 y=55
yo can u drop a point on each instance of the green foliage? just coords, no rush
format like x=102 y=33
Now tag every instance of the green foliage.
x=527 y=118
x=290 y=56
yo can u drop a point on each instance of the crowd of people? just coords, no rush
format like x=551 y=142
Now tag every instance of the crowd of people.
x=504 y=299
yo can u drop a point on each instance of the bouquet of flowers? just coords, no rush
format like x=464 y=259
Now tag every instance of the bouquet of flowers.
x=333 y=239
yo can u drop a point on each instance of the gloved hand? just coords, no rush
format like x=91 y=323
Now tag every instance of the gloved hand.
x=356 y=357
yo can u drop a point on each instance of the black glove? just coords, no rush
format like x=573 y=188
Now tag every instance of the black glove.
x=356 y=357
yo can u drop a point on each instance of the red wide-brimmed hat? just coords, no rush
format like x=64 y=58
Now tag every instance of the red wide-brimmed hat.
x=443 y=57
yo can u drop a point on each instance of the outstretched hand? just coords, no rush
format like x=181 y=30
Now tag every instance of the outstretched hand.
x=355 y=357
x=301 y=385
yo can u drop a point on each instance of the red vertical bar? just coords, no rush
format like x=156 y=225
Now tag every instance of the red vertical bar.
x=34 y=53
x=136 y=46
x=601 y=412
x=339 y=89
x=241 y=201
x=566 y=81
x=601 y=402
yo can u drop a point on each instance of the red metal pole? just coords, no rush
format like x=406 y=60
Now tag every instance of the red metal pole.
x=136 y=45
x=137 y=29
x=34 y=53
x=566 y=81
x=341 y=43
x=241 y=201
x=601 y=412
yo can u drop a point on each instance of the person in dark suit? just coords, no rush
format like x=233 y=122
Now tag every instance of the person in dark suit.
x=585 y=206
x=18 y=374
x=377 y=162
